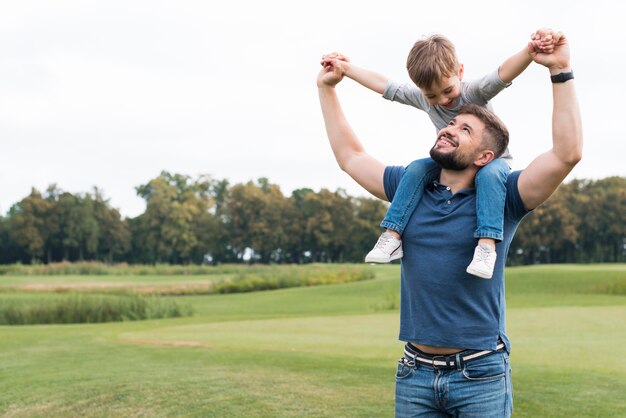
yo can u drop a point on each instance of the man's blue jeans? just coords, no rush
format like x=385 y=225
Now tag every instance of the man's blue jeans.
x=478 y=389
x=490 y=186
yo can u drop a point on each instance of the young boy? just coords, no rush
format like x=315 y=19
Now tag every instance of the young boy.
x=439 y=91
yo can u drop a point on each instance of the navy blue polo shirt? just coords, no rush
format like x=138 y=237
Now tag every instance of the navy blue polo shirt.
x=440 y=303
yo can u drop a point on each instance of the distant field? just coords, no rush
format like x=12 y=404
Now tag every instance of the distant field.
x=323 y=351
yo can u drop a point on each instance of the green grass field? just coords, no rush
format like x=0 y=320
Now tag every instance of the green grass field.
x=325 y=351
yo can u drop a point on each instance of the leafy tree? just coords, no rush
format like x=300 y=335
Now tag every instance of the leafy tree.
x=255 y=218
x=27 y=228
x=295 y=228
x=603 y=231
x=186 y=219
x=214 y=235
x=174 y=204
x=114 y=234
x=78 y=226
x=368 y=213
x=7 y=251
x=328 y=224
x=582 y=222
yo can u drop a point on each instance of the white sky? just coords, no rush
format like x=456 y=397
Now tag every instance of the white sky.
x=110 y=93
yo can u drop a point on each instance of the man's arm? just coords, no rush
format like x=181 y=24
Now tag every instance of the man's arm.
x=349 y=153
x=367 y=78
x=541 y=178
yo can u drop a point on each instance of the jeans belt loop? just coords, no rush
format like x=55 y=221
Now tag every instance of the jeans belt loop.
x=459 y=361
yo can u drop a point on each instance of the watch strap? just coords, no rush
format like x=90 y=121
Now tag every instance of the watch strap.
x=562 y=77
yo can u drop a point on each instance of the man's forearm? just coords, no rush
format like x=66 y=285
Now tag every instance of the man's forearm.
x=567 y=132
x=544 y=174
x=348 y=150
x=342 y=139
x=514 y=66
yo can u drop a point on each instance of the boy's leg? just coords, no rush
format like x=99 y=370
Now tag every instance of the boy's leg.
x=410 y=190
x=490 y=199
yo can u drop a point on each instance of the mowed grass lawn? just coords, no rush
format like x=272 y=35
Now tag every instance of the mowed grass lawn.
x=326 y=351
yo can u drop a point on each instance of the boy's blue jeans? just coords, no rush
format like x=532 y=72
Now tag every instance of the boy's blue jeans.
x=490 y=186
x=480 y=389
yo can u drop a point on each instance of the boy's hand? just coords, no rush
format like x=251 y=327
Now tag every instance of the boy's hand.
x=555 y=58
x=334 y=56
x=340 y=64
x=334 y=69
x=336 y=60
x=544 y=40
x=330 y=74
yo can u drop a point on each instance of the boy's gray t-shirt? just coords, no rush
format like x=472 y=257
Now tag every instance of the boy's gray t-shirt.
x=477 y=92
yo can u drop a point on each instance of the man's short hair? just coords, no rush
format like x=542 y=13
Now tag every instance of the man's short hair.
x=431 y=59
x=495 y=135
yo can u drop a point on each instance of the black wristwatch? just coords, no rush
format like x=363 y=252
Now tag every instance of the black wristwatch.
x=562 y=77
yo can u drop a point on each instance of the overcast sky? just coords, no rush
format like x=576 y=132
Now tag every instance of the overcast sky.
x=110 y=93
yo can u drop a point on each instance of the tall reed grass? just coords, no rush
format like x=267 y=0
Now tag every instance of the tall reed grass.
x=224 y=279
x=95 y=268
x=295 y=276
x=76 y=308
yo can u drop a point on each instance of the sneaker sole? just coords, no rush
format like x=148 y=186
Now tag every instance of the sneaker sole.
x=374 y=260
x=480 y=274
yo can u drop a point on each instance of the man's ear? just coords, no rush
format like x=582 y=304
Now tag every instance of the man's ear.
x=484 y=158
x=461 y=72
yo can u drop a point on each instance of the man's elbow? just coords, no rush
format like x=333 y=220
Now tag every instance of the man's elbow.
x=574 y=155
x=343 y=164
x=575 y=158
x=571 y=154
x=347 y=162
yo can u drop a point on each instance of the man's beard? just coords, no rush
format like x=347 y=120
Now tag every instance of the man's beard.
x=449 y=160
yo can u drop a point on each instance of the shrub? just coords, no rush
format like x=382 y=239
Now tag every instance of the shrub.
x=94 y=268
x=263 y=279
x=85 y=308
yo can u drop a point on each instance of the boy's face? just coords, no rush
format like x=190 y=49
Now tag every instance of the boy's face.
x=445 y=91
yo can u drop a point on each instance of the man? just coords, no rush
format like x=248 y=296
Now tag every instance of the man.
x=456 y=359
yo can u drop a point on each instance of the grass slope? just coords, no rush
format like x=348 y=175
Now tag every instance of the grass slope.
x=326 y=351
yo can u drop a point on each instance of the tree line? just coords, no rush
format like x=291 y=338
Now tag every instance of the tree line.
x=206 y=220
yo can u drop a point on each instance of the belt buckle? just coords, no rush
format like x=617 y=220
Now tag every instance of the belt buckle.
x=443 y=359
x=408 y=361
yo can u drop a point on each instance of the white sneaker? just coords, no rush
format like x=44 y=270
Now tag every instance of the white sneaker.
x=483 y=262
x=387 y=249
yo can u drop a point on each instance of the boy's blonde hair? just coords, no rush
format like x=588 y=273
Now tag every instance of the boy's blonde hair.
x=431 y=59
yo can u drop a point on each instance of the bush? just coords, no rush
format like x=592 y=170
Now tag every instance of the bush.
x=269 y=279
x=225 y=279
x=95 y=268
x=85 y=308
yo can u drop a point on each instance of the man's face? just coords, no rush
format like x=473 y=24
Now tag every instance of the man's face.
x=459 y=143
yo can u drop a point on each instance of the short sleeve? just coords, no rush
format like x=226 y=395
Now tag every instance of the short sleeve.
x=484 y=89
x=514 y=206
x=407 y=94
x=391 y=179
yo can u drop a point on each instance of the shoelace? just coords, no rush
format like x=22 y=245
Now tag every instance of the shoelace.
x=383 y=240
x=484 y=255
